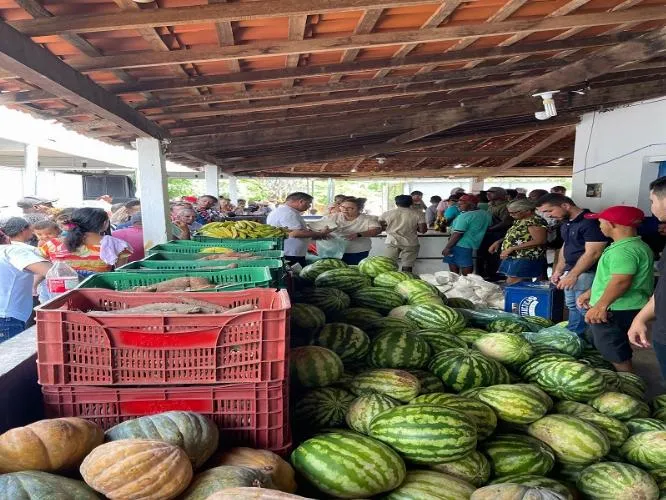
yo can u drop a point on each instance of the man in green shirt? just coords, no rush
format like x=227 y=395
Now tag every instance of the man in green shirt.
x=622 y=285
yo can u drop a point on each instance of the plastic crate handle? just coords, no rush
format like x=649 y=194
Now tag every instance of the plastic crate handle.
x=193 y=339
x=147 y=407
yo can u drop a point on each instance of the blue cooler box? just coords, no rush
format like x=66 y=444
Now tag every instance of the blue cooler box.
x=539 y=298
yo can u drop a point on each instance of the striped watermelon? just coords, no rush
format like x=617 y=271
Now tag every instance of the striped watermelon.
x=473 y=468
x=374 y=266
x=379 y=299
x=570 y=380
x=361 y=317
x=305 y=320
x=507 y=348
x=658 y=402
x=560 y=340
x=364 y=408
x=390 y=325
x=534 y=480
x=616 y=431
x=408 y=288
x=347 y=341
x=614 y=481
x=613 y=381
x=632 y=384
x=329 y=300
x=399 y=312
x=390 y=279
x=566 y=407
x=516 y=403
x=660 y=414
x=573 y=440
x=337 y=464
x=439 y=340
x=506 y=326
x=538 y=321
x=482 y=415
x=595 y=360
x=646 y=449
x=345 y=279
x=431 y=485
x=398 y=384
x=659 y=475
x=459 y=303
x=399 y=350
x=324 y=407
x=429 y=316
x=471 y=335
x=518 y=454
x=425 y=434
x=462 y=369
x=619 y=405
x=568 y=472
x=529 y=369
x=636 y=425
x=311 y=271
x=424 y=298
x=315 y=366
x=429 y=382
x=510 y=491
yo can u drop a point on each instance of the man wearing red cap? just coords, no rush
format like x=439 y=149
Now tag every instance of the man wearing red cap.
x=622 y=285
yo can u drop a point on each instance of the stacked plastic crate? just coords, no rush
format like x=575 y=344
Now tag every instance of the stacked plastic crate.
x=101 y=363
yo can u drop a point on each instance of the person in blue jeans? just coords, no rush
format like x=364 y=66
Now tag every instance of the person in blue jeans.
x=576 y=264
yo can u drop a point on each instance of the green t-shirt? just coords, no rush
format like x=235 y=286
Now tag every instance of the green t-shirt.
x=628 y=256
x=473 y=224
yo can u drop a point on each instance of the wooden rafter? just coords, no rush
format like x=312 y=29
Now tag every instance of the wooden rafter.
x=534 y=150
x=366 y=24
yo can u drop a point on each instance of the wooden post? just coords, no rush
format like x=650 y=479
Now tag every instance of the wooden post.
x=212 y=173
x=153 y=192
x=331 y=191
x=30 y=168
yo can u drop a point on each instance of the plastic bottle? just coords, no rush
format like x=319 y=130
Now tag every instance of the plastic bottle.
x=61 y=278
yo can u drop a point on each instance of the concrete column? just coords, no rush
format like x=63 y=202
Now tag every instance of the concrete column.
x=385 y=197
x=407 y=188
x=212 y=176
x=30 y=169
x=331 y=191
x=476 y=185
x=153 y=192
x=233 y=188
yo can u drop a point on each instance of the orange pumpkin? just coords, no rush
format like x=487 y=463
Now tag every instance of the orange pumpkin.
x=266 y=461
x=50 y=445
x=137 y=469
x=248 y=493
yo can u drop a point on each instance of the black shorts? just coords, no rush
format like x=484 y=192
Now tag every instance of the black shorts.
x=610 y=339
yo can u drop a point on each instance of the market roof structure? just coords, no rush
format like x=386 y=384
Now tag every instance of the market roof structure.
x=334 y=88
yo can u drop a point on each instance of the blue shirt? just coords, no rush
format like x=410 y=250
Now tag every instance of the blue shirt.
x=474 y=225
x=451 y=213
x=575 y=233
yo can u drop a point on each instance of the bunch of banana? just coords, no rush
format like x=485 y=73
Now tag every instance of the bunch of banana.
x=242 y=230
x=216 y=250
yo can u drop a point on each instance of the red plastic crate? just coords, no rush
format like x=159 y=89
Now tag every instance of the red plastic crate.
x=78 y=345
x=255 y=415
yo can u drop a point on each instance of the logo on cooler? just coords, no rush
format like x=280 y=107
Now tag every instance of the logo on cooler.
x=528 y=305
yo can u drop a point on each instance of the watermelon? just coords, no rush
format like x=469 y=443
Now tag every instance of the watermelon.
x=538 y=321
x=471 y=335
x=616 y=431
x=632 y=384
x=566 y=407
x=573 y=440
x=345 y=279
x=613 y=381
x=361 y=317
x=518 y=454
x=462 y=369
x=459 y=303
x=506 y=326
x=311 y=271
x=568 y=472
x=659 y=475
x=444 y=318
x=425 y=434
x=399 y=312
x=324 y=407
x=431 y=485
x=510 y=491
x=473 y=468
x=337 y=464
x=439 y=340
x=517 y=403
x=560 y=340
x=390 y=325
x=614 y=481
x=636 y=425
x=379 y=299
x=429 y=382
x=329 y=300
x=347 y=341
x=528 y=370
x=595 y=360
x=315 y=366
x=658 y=402
x=399 y=350
x=507 y=348
x=619 y=405
x=570 y=380
x=305 y=321
x=390 y=279
x=364 y=408
x=374 y=266
x=398 y=384
x=424 y=298
x=408 y=288
x=482 y=415
x=537 y=481
x=660 y=414
x=646 y=449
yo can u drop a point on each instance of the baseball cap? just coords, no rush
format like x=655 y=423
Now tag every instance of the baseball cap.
x=471 y=198
x=31 y=201
x=499 y=190
x=621 y=215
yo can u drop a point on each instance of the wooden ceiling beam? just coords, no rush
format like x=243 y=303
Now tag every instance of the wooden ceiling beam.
x=270 y=49
x=555 y=171
x=297 y=27
x=365 y=25
x=37 y=65
x=553 y=138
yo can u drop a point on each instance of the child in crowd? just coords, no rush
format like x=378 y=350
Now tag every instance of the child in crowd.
x=402 y=225
x=45 y=231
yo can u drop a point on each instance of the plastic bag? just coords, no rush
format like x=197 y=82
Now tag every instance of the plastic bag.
x=332 y=248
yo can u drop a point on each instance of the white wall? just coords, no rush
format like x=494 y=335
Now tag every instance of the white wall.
x=432 y=187
x=613 y=148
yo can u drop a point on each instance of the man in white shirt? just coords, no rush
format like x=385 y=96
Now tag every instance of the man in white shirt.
x=21 y=268
x=288 y=215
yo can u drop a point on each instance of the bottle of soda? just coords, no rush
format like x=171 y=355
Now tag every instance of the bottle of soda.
x=61 y=278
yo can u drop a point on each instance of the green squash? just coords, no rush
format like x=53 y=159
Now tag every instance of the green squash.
x=226 y=476
x=37 y=485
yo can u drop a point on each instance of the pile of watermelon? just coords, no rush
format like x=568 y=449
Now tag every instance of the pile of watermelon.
x=394 y=396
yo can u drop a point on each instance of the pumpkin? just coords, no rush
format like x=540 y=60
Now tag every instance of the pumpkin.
x=280 y=472
x=225 y=476
x=37 y=485
x=253 y=494
x=52 y=445
x=510 y=491
x=132 y=469
x=194 y=433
